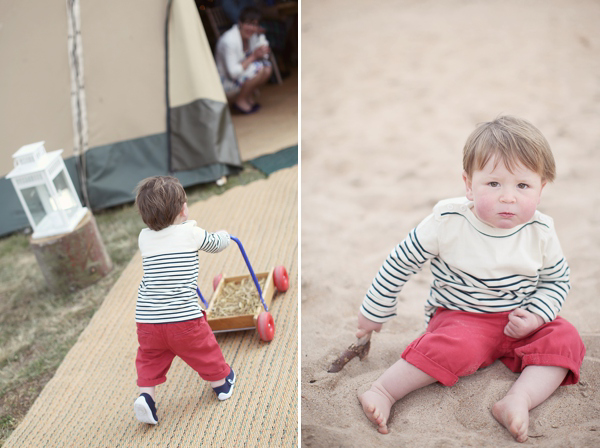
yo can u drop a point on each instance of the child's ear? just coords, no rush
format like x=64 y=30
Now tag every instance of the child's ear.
x=541 y=190
x=468 y=185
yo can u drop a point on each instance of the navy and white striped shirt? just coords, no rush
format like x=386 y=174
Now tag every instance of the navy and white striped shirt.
x=476 y=267
x=167 y=292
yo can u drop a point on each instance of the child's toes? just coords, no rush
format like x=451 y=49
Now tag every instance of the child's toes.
x=377 y=417
x=371 y=413
x=521 y=434
x=383 y=429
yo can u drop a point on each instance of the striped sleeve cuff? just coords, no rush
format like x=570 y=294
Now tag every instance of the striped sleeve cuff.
x=215 y=242
x=374 y=315
x=551 y=292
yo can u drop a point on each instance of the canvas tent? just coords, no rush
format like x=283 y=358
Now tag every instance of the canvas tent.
x=127 y=89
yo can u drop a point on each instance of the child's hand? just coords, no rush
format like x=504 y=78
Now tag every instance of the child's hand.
x=521 y=322
x=366 y=326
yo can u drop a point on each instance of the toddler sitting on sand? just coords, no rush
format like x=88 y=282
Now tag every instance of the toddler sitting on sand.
x=499 y=281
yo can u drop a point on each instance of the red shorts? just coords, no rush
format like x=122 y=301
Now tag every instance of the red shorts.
x=192 y=340
x=458 y=343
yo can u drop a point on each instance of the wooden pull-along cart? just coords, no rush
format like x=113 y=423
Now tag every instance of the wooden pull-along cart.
x=261 y=319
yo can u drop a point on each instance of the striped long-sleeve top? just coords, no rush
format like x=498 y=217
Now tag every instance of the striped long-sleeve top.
x=167 y=292
x=476 y=267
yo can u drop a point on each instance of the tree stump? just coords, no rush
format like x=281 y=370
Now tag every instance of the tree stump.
x=74 y=260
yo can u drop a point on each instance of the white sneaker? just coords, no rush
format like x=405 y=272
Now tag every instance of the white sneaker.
x=225 y=390
x=145 y=409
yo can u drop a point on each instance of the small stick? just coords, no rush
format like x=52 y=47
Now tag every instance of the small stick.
x=360 y=348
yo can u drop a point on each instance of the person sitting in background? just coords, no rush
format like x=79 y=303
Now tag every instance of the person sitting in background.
x=242 y=61
x=281 y=31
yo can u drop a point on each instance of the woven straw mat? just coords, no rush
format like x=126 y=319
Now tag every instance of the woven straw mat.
x=89 y=402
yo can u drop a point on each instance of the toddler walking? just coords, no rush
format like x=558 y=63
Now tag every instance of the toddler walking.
x=169 y=319
x=499 y=282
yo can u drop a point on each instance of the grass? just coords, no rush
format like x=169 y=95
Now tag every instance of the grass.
x=38 y=326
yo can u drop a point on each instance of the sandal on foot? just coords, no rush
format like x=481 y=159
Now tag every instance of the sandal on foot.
x=239 y=110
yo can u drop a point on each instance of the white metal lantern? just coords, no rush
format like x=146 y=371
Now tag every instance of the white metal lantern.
x=46 y=191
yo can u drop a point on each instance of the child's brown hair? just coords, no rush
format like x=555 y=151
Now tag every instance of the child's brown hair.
x=159 y=200
x=510 y=140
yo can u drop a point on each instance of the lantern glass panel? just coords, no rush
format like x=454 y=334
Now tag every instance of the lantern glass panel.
x=38 y=202
x=65 y=200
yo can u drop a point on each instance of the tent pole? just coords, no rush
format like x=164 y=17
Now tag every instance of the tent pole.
x=169 y=164
x=78 y=105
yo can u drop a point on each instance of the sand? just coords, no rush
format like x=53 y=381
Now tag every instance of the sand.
x=390 y=91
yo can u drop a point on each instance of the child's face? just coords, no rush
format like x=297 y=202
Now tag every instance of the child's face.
x=503 y=199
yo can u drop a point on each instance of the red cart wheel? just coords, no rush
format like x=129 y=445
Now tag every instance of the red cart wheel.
x=265 y=326
x=281 y=279
x=216 y=280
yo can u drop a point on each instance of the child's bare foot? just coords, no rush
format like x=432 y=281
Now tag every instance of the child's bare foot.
x=376 y=406
x=513 y=413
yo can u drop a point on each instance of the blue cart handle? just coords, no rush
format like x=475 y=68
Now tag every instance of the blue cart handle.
x=239 y=243
x=202 y=298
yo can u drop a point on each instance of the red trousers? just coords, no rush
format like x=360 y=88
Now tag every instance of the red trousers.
x=192 y=340
x=458 y=343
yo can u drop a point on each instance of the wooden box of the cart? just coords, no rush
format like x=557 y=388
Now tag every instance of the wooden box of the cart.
x=244 y=321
